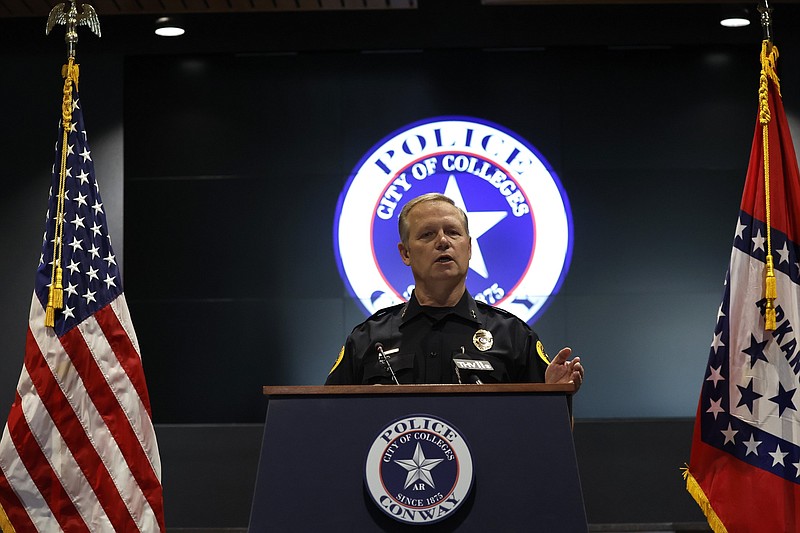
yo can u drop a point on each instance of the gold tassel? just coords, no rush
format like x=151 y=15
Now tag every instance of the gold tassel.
x=769 y=56
x=770 y=293
x=49 y=316
x=769 y=316
x=696 y=491
x=771 y=289
x=58 y=290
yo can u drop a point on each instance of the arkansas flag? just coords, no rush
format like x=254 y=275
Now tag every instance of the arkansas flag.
x=78 y=452
x=744 y=470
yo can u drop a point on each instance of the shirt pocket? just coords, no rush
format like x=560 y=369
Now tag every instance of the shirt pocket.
x=376 y=372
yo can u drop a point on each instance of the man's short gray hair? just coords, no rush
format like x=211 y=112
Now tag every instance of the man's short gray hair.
x=402 y=220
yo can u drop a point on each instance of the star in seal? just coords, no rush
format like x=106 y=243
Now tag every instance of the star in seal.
x=419 y=467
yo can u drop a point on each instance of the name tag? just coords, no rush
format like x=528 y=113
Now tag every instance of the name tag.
x=471 y=364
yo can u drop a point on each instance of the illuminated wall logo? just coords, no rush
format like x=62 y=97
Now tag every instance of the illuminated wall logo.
x=519 y=215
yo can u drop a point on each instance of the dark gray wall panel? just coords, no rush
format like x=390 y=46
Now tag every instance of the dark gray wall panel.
x=241 y=209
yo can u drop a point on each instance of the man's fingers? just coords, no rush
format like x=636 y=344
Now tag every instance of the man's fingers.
x=562 y=355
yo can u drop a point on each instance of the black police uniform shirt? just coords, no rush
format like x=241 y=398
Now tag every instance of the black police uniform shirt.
x=421 y=342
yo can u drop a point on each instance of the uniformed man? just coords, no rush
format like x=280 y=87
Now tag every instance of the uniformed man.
x=422 y=341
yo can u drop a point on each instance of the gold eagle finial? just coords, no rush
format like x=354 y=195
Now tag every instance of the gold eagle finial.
x=71 y=18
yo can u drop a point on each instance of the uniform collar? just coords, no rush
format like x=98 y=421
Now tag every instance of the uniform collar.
x=465 y=308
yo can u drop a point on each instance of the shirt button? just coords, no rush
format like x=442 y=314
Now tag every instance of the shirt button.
x=432 y=355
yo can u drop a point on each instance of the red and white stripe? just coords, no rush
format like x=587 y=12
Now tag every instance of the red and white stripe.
x=79 y=451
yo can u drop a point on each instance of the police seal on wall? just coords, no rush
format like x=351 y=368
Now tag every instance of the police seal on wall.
x=518 y=212
x=419 y=469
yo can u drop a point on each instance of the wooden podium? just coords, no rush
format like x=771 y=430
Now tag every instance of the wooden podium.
x=311 y=474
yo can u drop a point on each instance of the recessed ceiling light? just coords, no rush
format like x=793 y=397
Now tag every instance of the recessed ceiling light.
x=734 y=22
x=734 y=17
x=169 y=27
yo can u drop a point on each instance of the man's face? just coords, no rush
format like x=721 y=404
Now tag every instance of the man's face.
x=438 y=247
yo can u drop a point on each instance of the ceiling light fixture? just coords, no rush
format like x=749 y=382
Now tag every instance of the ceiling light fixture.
x=735 y=18
x=169 y=27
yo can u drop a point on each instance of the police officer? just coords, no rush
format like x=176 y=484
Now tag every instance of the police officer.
x=421 y=340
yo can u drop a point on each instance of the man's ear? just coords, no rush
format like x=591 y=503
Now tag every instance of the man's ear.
x=404 y=253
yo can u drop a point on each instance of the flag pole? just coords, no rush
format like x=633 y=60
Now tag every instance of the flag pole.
x=71 y=18
x=769 y=56
x=766 y=19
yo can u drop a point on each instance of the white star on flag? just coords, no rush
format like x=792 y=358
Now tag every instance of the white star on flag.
x=716 y=407
x=740 y=228
x=717 y=343
x=778 y=455
x=784 y=253
x=758 y=241
x=752 y=445
x=729 y=433
x=716 y=375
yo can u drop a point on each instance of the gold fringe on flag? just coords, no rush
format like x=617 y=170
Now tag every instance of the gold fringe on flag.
x=5 y=523
x=693 y=487
x=769 y=59
x=55 y=297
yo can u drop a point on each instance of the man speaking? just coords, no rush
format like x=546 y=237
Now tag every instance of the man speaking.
x=442 y=335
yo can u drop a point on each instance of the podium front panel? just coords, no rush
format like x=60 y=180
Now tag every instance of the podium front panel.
x=311 y=471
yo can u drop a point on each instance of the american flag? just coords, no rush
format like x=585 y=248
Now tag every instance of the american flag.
x=79 y=451
x=744 y=470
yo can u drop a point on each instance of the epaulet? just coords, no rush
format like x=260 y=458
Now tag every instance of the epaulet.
x=499 y=311
x=385 y=311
